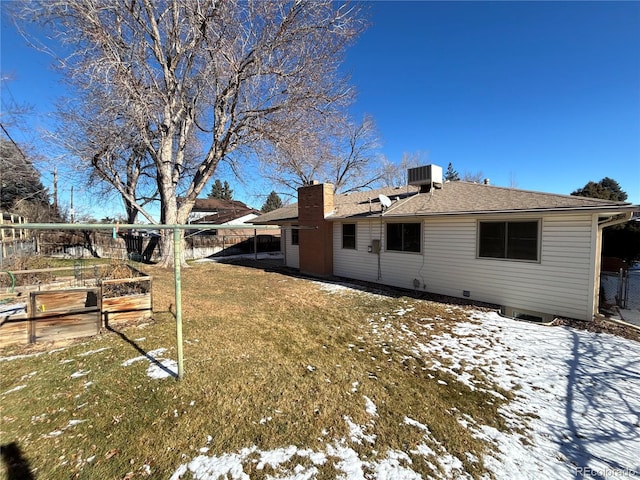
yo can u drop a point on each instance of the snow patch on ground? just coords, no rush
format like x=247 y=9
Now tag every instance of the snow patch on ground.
x=158 y=367
x=370 y=407
x=347 y=463
x=14 y=389
x=11 y=358
x=149 y=356
x=576 y=409
x=574 y=394
x=91 y=352
x=163 y=369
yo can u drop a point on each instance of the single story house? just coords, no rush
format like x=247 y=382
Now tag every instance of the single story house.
x=535 y=254
x=232 y=213
x=221 y=212
x=236 y=234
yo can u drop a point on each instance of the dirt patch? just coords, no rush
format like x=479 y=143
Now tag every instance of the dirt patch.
x=601 y=325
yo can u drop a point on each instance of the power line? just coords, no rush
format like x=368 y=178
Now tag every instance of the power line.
x=14 y=143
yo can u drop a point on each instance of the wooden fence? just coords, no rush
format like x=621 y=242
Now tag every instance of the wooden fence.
x=12 y=234
x=14 y=241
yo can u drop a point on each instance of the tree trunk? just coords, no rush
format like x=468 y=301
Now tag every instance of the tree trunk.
x=168 y=201
x=255 y=75
x=166 y=250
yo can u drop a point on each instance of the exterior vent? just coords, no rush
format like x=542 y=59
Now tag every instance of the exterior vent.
x=427 y=175
x=521 y=314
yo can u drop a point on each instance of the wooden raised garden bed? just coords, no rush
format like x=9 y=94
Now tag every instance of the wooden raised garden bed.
x=60 y=310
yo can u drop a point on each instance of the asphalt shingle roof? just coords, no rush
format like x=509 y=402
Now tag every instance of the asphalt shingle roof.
x=454 y=198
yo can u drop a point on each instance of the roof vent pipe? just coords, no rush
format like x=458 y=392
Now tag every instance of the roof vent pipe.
x=486 y=181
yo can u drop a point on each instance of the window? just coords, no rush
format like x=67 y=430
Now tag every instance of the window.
x=295 y=238
x=403 y=237
x=511 y=240
x=349 y=235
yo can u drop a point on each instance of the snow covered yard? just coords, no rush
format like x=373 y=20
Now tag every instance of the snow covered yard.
x=292 y=379
x=578 y=402
x=575 y=414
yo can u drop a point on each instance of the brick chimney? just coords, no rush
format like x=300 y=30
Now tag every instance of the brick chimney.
x=315 y=202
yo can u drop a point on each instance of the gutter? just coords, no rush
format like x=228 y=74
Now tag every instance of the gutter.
x=619 y=210
x=626 y=210
x=616 y=220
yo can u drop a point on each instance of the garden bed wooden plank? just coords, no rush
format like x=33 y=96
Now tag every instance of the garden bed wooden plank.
x=125 y=309
x=64 y=314
x=58 y=301
x=14 y=332
x=14 y=328
x=65 y=327
x=55 y=313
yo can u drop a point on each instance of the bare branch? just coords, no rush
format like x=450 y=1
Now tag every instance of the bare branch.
x=198 y=81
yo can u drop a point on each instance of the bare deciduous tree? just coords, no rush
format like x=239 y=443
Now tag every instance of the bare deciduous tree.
x=395 y=174
x=302 y=158
x=235 y=75
x=111 y=146
x=474 y=177
x=356 y=164
x=341 y=152
x=21 y=188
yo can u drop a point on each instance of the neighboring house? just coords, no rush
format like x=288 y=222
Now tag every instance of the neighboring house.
x=221 y=212
x=237 y=229
x=535 y=254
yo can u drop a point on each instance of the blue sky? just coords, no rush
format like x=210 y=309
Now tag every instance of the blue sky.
x=543 y=95
x=537 y=95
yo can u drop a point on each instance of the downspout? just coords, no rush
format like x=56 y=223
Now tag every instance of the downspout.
x=283 y=244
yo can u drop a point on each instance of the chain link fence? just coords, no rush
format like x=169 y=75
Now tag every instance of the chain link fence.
x=141 y=246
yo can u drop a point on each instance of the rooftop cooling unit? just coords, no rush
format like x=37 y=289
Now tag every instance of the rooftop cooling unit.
x=426 y=176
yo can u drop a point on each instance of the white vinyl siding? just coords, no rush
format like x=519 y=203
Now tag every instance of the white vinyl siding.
x=291 y=252
x=363 y=265
x=356 y=263
x=561 y=283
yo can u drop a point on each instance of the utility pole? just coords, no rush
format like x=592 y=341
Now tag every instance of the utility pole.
x=71 y=207
x=55 y=190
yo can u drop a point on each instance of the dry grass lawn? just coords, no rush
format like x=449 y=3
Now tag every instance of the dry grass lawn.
x=271 y=360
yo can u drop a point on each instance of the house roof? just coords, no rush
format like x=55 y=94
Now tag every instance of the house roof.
x=286 y=214
x=228 y=216
x=215 y=210
x=454 y=198
x=217 y=204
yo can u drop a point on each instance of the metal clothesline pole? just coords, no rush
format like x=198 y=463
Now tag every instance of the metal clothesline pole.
x=177 y=261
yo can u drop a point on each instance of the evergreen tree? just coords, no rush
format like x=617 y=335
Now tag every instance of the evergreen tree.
x=273 y=202
x=620 y=241
x=451 y=175
x=221 y=191
x=19 y=180
x=606 y=189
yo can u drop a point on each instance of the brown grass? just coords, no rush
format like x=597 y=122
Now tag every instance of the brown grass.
x=270 y=360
